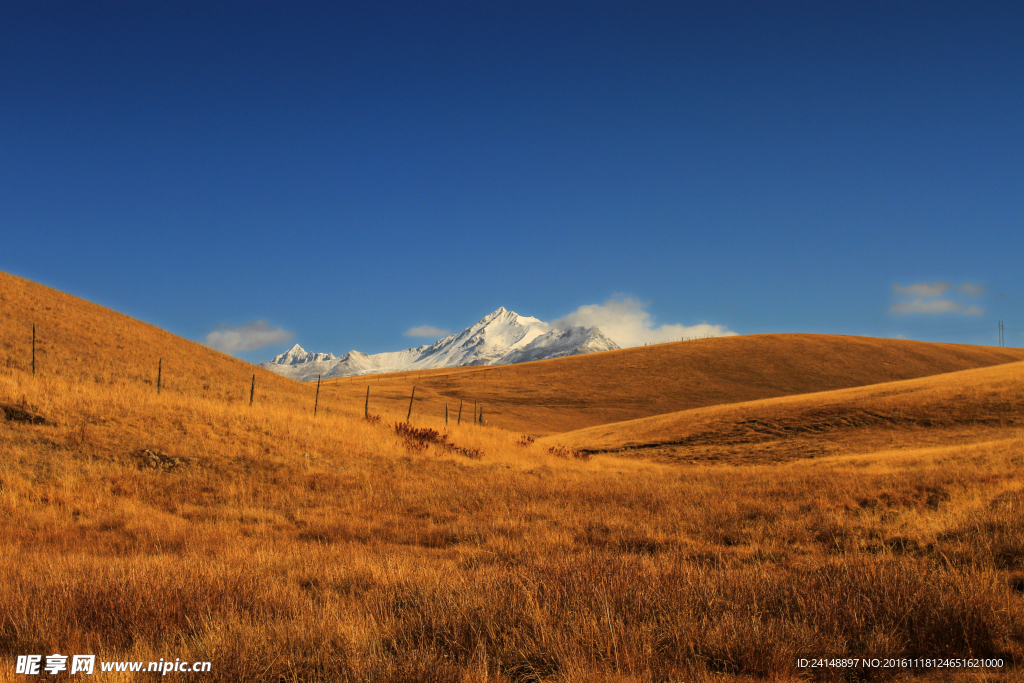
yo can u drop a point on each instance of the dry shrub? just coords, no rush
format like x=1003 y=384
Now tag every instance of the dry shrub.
x=525 y=440
x=418 y=439
x=564 y=452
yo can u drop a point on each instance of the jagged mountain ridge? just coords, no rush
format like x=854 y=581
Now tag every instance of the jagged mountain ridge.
x=501 y=338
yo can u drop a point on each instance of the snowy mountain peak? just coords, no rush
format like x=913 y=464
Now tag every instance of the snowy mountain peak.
x=507 y=317
x=298 y=355
x=502 y=337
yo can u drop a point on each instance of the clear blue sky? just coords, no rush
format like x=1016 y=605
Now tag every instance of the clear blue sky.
x=348 y=171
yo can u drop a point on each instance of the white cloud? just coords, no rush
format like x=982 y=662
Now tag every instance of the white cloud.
x=933 y=306
x=625 y=322
x=425 y=331
x=922 y=289
x=247 y=337
x=972 y=289
x=930 y=298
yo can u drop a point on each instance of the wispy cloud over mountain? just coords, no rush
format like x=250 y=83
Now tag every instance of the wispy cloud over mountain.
x=624 y=321
x=425 y=331
x=254 y=335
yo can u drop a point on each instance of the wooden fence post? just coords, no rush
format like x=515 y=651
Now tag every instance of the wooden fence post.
x=460 y=413
x=317 y=401
x=252 y=390
x=366 y=408
x=445 y=414
x=159 y=374
x=481 y=414
x=410 y=404
x=33 y=349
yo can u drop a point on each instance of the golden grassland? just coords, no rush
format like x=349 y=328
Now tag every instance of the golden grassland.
x=559 y=395
x=962 y=407
x=286 y=547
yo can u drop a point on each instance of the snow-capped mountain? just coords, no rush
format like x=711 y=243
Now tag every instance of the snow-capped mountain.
x=500 y=338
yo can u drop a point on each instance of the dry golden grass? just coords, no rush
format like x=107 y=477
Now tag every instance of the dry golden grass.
x=297 y=548
x=961 y=407
x=549 y=397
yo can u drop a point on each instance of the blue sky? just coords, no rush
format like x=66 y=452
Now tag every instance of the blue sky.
x=346 y=172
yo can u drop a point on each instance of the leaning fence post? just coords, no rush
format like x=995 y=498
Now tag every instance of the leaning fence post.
x=445 y=414
x=252 y=390
x=410 y=404
x=33 y=349
x=460 y=413
x=366 y=408
x=317 y=401
x=159 y=374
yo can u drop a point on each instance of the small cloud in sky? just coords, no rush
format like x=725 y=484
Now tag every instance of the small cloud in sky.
x=931 y=298
x=624 y=321
x=254 y=335
x=922 y=289
x=972 y=289
x=426 y=331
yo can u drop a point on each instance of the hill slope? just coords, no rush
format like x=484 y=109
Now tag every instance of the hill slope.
x=279 y=545
x=79 y=339
x=941 y=410
x=564 y=394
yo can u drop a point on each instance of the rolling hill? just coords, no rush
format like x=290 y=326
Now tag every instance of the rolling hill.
x=82 y=340
x=78 y=339
x=939 y=410
x=559 y=395
x=280 y=545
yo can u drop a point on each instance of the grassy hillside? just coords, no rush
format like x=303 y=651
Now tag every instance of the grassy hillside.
x=563 y=394
x=84 y=342
x=280 y=546
x=80 y=340
x=959 y=407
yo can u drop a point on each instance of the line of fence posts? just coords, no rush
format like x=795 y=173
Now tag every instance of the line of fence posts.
x=478 y=408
